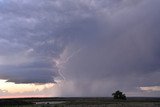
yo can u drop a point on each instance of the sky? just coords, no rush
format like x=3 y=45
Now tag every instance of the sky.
x=79 y=48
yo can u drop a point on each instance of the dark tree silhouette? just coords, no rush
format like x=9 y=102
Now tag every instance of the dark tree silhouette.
x=119 y=95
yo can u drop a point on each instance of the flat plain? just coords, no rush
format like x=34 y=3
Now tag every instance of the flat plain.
x=81 y=102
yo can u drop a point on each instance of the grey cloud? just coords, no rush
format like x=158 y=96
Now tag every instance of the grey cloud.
x=33 y=72
x=124 y=57
x=30 y=37
x=118 y=42
x=28 y=42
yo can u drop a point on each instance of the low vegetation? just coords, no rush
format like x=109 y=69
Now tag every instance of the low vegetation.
x=119 y=95
x=81 y=102
x=5 y=102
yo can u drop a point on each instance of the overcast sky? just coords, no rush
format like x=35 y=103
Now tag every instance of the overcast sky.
x=82 y=47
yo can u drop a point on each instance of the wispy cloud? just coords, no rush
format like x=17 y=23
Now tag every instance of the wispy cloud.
x=150 y=88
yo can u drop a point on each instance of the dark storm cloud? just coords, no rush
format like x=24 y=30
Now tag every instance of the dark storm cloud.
x=125 y=56
x=31 y=38
x=98 y=45
x=28 y=42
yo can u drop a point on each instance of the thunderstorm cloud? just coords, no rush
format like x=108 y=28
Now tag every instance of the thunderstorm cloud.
x=93 y=46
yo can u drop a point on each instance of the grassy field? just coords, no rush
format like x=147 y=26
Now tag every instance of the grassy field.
x=80 y=102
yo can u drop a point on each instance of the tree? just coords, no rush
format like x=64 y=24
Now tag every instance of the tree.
x=119 y=95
